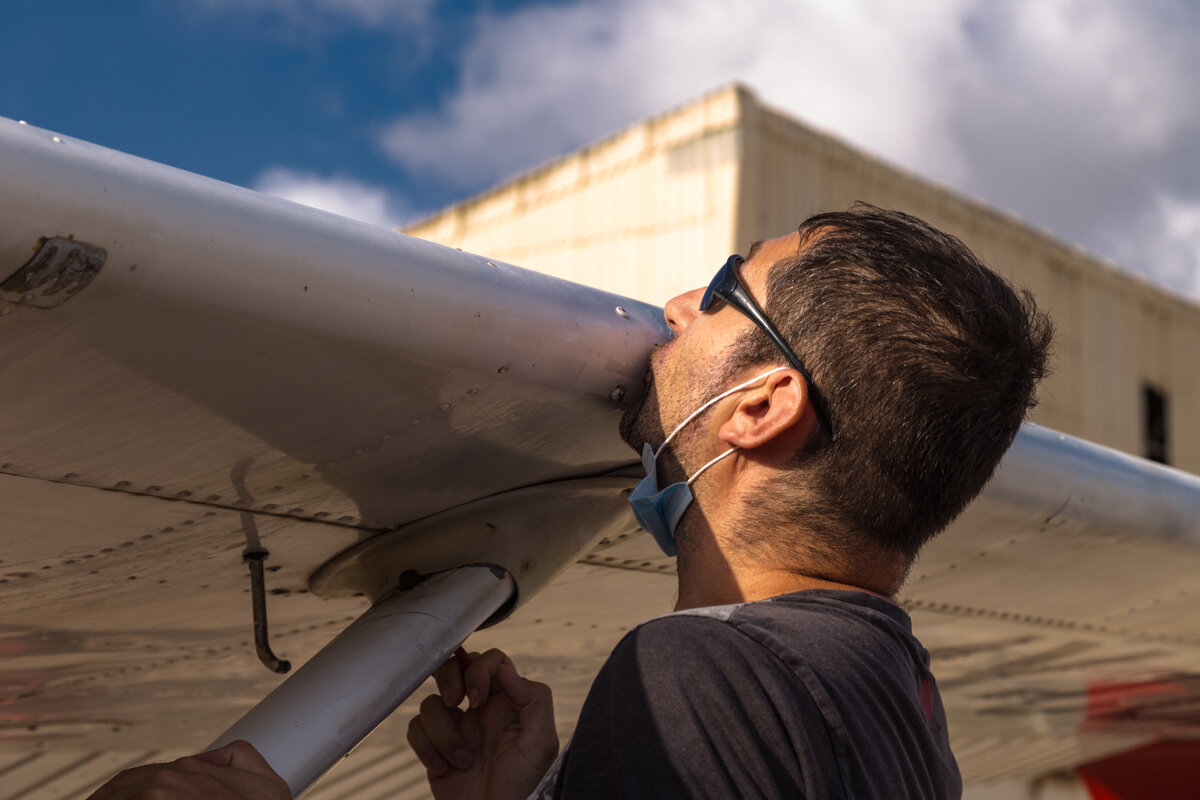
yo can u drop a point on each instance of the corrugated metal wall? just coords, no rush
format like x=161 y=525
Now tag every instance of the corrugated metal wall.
x=652 y=211
x=640 y=213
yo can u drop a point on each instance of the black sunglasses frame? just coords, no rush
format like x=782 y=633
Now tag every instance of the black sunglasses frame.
x=726 y=287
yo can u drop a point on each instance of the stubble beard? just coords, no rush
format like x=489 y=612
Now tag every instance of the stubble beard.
x=645 y=423
x=642 y=423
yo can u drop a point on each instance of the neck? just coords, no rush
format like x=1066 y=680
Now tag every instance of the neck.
x=696 y=594
x=710 y=576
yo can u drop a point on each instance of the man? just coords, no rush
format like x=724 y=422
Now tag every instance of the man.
x=808 y=453
x=823 y=409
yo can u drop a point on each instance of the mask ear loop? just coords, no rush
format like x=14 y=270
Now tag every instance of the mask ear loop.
x=709 y=464
x=705 y=407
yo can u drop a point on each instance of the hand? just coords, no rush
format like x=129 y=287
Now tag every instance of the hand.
x=500 y=747
x=232 y=772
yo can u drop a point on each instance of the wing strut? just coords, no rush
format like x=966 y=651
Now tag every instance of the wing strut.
x=315 y=717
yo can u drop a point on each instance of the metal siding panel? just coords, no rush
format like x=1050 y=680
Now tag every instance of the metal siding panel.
x=620 y=191
x=1101 y=329
x=1183 y=421
x=1065 y=385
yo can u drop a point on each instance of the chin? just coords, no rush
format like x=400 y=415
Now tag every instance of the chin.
x=642 y=423
x=629 y=426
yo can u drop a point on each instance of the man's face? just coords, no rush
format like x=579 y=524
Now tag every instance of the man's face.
x=684 y=371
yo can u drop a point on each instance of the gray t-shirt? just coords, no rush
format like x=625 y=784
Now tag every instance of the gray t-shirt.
x=817 y=694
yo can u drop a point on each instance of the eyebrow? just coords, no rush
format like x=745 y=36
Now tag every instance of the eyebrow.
x=753 y=249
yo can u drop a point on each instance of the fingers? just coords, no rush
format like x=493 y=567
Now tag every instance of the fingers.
x=239 y=755
x=479 y=677
x=508 y=728
x=449 y=679
x=437 y=726
x=522 y=690
x=426 y=753
x=535 y=712
x=473 y=683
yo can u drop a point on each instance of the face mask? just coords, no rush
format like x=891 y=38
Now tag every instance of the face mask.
x=658 y=512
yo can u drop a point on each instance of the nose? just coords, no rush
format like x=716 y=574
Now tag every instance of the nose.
x=682 y=309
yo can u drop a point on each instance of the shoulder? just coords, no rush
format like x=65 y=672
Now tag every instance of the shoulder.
x=809 y=652
x=703 y=642
x=787 y=629
x=689 y=706
x=696 y=665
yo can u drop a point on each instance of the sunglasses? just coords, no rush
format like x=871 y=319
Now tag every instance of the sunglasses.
x=726 y=287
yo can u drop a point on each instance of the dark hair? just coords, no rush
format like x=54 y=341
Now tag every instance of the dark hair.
x=928 y=361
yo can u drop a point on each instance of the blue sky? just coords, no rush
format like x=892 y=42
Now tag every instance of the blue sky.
x=234 y=90
x=1082 y=117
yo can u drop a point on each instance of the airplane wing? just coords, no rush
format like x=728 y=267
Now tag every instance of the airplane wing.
x=194 y=373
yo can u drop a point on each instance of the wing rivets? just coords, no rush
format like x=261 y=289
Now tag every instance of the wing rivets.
x=258 y=602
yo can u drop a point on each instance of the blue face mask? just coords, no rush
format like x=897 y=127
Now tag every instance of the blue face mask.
x=658 y=512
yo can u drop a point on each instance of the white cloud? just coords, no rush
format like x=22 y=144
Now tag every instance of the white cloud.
x=1080 y=117
x=540 y=81
x=1165 y=238
x=338 y=195
x=1077 y=115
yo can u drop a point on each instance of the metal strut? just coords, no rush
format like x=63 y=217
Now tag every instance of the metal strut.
x=258 y=601
x=316 y=716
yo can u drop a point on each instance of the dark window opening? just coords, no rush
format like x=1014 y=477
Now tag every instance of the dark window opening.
x=1154 y=424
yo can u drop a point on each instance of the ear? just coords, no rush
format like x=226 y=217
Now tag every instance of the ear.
x=774 y=413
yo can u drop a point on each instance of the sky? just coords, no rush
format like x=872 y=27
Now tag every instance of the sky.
x=1081 y=117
